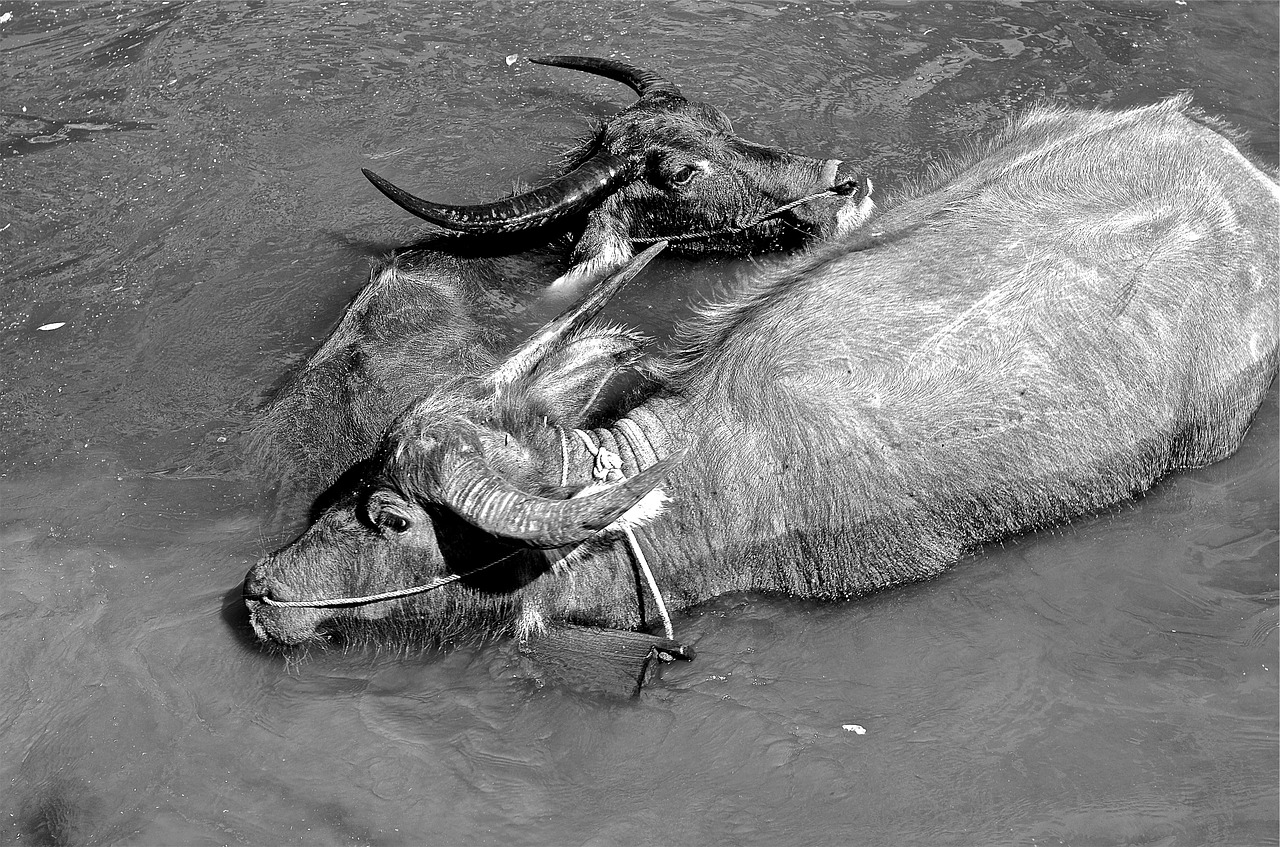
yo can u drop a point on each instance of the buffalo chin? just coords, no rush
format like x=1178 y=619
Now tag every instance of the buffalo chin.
x=287 y=627
x=856 y=211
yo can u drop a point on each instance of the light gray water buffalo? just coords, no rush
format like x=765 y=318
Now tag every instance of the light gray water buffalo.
x=665 y=167
x=1078 y=306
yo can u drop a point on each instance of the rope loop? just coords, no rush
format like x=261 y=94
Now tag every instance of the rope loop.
x=608 y=464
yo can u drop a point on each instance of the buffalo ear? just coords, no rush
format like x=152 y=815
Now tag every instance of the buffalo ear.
x=602 y=249
x=566 y=384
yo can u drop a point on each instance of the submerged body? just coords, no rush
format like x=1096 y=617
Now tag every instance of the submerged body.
x=1071 y=311
x=426 y=316
x=663 y=167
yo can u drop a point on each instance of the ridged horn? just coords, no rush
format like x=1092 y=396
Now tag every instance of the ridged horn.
x=582 y=188
x=488 y=501
x=642 y=82
x=532 y=351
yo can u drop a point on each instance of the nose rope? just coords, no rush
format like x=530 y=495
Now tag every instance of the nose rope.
x=844 y=189
x=367 y=599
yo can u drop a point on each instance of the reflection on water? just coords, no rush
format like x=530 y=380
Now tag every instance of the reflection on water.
x=180 y=189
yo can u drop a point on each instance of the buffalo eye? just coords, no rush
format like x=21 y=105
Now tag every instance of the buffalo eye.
x=391 y=521
x=684 y=176
x=388 y=512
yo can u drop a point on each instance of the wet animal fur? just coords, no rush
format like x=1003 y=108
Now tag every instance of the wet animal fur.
x=1067 y=313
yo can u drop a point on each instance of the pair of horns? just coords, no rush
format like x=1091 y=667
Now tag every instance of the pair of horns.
x=582 y=188
x=463 y=482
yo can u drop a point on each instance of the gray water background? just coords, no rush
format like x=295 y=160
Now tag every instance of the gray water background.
x=180 y=188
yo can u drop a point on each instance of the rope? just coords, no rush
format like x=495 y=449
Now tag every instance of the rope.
x=608 y=464
x=653 y=583
x=367 y=599
x=608 y=468
x=361 y=601
x=843 y=189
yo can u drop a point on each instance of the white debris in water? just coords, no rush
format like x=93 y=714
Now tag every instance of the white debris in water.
x=855 y=728
x=54 y=325
x=6 y=17
x=513 y=58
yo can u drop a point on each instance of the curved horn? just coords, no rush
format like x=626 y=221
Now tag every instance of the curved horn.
x=532 y=351
x=581 y=188
x=642 y=82
x=477 y=494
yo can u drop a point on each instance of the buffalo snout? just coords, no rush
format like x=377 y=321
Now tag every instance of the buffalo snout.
x=283 y=625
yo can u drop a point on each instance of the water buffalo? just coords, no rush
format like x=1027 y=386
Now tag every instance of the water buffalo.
x=665 y=167
x=1076 y=307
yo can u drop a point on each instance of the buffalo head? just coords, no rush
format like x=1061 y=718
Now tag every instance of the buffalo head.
x=666 y=168
x=451 y=494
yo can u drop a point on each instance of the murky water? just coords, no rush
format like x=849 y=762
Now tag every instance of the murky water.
x=180 y=190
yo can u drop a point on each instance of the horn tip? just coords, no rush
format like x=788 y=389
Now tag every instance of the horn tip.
x=640 y=261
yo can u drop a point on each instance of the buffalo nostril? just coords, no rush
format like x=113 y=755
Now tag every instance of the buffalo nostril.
x=847 y=187
x=255 y=589
x=845 y=174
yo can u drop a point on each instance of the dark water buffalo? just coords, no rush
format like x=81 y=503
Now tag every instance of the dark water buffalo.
x=664 y=167
x=1080 y=305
